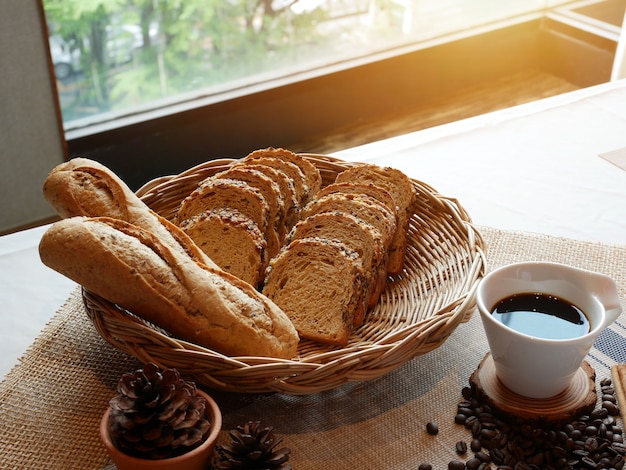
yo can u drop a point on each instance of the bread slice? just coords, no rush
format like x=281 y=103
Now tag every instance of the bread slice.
x=287 y=190
x=293 y=172
x=360 y=237
x=216 y=193
x=401 y=189
x=132 y=268
x=366 y=208
x=377 y=192
x=312 y=176
x=272 y=195
x=232 y=240
x=317 y=283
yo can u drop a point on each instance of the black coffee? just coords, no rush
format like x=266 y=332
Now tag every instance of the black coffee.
x=542 y=316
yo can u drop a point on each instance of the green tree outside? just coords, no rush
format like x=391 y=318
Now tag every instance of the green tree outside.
x=184 y=46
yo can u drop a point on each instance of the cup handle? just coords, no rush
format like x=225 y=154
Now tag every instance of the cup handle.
x=606 y=292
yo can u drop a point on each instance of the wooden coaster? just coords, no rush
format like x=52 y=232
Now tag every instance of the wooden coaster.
x=579 y=398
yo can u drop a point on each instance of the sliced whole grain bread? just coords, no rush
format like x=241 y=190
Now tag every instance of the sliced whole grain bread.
x=232 y=240
x=316 y=282
x=312 y=176
x=366 y=208
x=377 y=192
x=287 y=190
x=292 y=170
x=272 y=195
x=217 y=193
x=357 y=235
x=401 y=189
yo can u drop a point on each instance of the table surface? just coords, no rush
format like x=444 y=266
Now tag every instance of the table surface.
x=535 y=168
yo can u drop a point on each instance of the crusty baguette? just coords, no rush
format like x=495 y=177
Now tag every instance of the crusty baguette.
x=131 y=267
x=84 y=187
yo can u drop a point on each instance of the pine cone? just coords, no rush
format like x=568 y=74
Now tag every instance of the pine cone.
x=157 y=414
x=253 y=447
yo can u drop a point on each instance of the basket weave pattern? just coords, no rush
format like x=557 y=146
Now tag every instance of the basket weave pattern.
x=417 y=312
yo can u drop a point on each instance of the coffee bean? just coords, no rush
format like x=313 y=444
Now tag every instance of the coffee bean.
x=456 y=465
x=609 y=397
x=588 y=442
x=473 y=464
x=611 y=408
x=425 y=466
x=432 y=428
x=469 y=421
x=461 y=448
x=476 y=445
x=460 y=418
x=599 y=413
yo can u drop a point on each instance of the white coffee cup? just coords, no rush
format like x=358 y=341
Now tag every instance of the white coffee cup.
x=533 y=366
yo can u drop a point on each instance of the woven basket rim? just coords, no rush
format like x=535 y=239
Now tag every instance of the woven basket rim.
x=442 y=238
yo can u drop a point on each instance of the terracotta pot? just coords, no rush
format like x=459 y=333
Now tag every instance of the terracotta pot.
x=196 y=459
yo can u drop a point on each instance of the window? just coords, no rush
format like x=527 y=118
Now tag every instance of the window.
x=120 y=58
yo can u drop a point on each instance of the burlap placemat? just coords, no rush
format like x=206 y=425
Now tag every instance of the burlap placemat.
x=51 y=403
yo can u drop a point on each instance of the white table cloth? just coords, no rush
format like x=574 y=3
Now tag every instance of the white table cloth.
x=534 y=167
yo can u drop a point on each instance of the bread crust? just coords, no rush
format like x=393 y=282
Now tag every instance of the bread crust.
x=131 y=267
x=401 y=189
x=287 y=190
x=84 y=187
x=272 y=195
x=292 y=170
x=218 y=193
x=312 y=176
x=368 y=189
x=362 y=206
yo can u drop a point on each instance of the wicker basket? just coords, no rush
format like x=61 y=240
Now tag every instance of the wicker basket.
x=416 y=313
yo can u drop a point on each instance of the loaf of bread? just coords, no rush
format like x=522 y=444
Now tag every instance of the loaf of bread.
x=131 y=267
x=260 y=187
x=401 y=189
x=317 y=283
x=232 y=241
x=84 y=187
